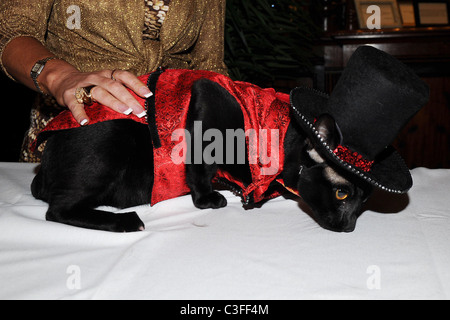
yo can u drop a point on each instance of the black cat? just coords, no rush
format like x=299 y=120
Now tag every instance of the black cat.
x=332 y=153
x=111 y=164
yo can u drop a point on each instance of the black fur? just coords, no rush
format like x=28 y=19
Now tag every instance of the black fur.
x=99 y=165
x=217 y=109
x=111 y=164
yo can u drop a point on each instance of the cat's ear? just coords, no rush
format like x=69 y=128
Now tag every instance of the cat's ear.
x=329 y=130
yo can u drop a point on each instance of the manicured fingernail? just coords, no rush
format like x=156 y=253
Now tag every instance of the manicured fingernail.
x=141 y=115
x=128 y=111
x=146 y=92
x=84 y=122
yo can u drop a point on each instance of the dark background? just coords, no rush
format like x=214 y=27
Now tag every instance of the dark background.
x=15 y=105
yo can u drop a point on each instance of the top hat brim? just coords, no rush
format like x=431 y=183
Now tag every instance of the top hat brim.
x=388 y=171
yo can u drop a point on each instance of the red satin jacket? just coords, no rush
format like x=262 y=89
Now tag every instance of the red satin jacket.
x=262 y=109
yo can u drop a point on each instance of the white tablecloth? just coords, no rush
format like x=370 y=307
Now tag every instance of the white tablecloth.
x=400 y=250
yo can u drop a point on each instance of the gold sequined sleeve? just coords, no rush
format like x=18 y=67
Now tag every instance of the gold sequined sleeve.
x=208 y=53
x=22 y=18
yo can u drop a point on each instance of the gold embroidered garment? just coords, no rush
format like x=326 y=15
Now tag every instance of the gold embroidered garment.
x=107 y=34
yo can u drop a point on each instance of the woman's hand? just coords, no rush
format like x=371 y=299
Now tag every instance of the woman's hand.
x=61 y=80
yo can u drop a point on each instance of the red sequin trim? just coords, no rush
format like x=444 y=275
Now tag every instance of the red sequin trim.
x=353 y=158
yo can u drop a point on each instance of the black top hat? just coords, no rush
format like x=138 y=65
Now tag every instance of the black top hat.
x=373 y=100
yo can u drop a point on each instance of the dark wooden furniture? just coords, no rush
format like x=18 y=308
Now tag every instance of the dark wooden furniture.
x=426 y=139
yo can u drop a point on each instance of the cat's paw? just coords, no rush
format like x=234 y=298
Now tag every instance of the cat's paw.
x=213 y=200
x=128 y=222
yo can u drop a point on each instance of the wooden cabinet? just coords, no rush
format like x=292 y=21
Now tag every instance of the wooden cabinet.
x=425 y=141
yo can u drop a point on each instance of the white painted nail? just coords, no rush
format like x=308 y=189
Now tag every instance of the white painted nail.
x=128 y=111
x=84 y=122
x=148 y=95
x=141 y=115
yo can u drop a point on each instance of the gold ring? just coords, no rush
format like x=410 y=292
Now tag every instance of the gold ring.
x=91 y=94
x=112 y=75
x=84 y=95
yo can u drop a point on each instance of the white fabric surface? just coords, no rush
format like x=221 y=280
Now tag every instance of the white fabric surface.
x=400 y=250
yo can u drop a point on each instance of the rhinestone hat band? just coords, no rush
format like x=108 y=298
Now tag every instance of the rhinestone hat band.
x=358 y=171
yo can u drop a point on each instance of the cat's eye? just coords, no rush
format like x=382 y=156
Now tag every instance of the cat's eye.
x=341 y=195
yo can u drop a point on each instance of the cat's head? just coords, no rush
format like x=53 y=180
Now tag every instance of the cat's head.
x=334 y=196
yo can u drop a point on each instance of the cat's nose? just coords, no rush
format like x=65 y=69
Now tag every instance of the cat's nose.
x=349 y=228
x=349 y=225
